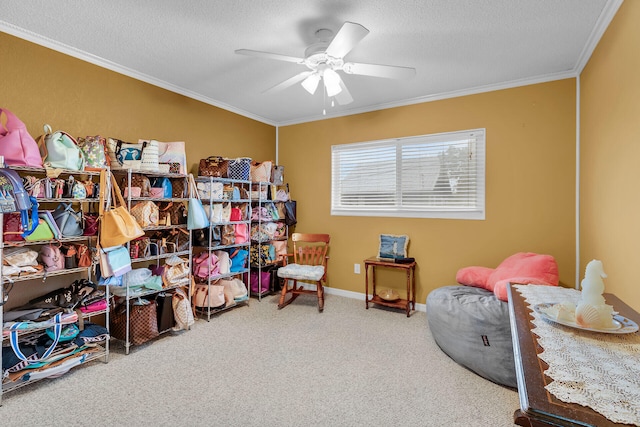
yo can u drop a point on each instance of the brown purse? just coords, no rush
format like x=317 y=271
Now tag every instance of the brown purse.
x=213 y=166
x=143 y=322
x=172 y=213
x=178 y=188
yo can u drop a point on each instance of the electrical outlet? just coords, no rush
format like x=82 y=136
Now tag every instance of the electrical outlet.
x=356 y=268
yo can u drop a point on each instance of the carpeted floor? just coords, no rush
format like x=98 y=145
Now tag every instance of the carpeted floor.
x=255 y=365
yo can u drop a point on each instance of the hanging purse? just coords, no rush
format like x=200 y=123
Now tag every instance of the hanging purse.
x=196 y=215
x=277 y=175
x=117 y=225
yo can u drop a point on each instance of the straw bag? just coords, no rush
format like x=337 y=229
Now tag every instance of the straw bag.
x=117 y=225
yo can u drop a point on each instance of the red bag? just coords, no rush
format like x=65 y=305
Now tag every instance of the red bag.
x=90 y=224
x=12 y=229
x=16 y=144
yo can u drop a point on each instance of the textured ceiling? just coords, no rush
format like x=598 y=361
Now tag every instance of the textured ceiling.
x=456 y=46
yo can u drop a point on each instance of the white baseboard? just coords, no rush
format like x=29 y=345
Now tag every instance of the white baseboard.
x=360 y=296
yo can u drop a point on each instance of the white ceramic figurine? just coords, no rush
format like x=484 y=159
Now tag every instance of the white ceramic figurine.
x=591 y=311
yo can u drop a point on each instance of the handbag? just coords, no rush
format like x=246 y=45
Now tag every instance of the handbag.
x=179 y=187
x=146 y=213
x=241 y=231
x=238 y=260
x=209 y=296
x=90 y=223
x=84 y=255
x=166 y=186
x=205 y=265
x=213 y=166
x=140 y=247
x=60 y=150
x=52 y=258
x=94 y=149
x=290 y=209
x=214 y=212
x=68 y=220
x=239 y=168
x=16 y=144
x=176 y=272
x=260 y=281
x=182 y=312
x=224 y=263
x=174 y=155
x=149 y=157
x=261 y=171
x=118 y=259
x=172 y=213
x=69 y=252
x=117 y=225
x=277 y=175
x=42 y=232
x=138 y=180
x=196 y=215
x=210 y=190
x=228 y=235
x=143 y=322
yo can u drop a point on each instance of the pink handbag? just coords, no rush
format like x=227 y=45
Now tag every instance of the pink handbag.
x=16 y=144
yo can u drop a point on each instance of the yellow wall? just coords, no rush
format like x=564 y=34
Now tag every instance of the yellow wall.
x=530 y=197
x=42 y=86
x=610 y=152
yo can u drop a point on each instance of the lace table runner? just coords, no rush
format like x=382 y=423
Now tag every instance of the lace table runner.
x=593 y=369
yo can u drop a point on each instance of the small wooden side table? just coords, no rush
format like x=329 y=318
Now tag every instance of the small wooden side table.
x=407 y=304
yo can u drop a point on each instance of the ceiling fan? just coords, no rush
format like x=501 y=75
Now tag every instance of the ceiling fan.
x=325 y=57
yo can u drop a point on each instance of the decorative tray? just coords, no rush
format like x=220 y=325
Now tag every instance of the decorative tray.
x=621 y=325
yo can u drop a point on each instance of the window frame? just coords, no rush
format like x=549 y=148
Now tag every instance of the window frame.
x=477 y=137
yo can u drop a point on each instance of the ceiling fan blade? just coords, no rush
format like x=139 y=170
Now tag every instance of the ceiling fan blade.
x=289 y=82
x=344 y=97
x=269 y=55
x=374 y=70
x=348 y=36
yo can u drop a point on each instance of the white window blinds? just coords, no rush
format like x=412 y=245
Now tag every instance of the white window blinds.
x=436 y=176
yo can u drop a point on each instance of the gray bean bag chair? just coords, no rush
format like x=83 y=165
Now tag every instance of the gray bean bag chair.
x=472 y=326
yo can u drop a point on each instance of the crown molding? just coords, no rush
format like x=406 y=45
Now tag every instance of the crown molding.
x=110 y=65
x=606 y=16
x=440 y=96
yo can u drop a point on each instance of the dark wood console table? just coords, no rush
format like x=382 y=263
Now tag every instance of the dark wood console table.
x=538 y=407
x=407 y=304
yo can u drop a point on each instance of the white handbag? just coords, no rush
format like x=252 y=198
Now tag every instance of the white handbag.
x=149 y=160
x=210 y=190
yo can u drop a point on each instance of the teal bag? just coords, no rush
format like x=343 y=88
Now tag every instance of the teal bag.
x=165 y=184
x=60 y=150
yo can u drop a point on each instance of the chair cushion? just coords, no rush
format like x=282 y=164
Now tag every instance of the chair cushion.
x=301 y=272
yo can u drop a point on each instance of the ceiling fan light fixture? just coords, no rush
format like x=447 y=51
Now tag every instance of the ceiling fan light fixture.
x=310 y=84
x=332 y=82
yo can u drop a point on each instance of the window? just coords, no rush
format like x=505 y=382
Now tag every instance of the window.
x=427 y=176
